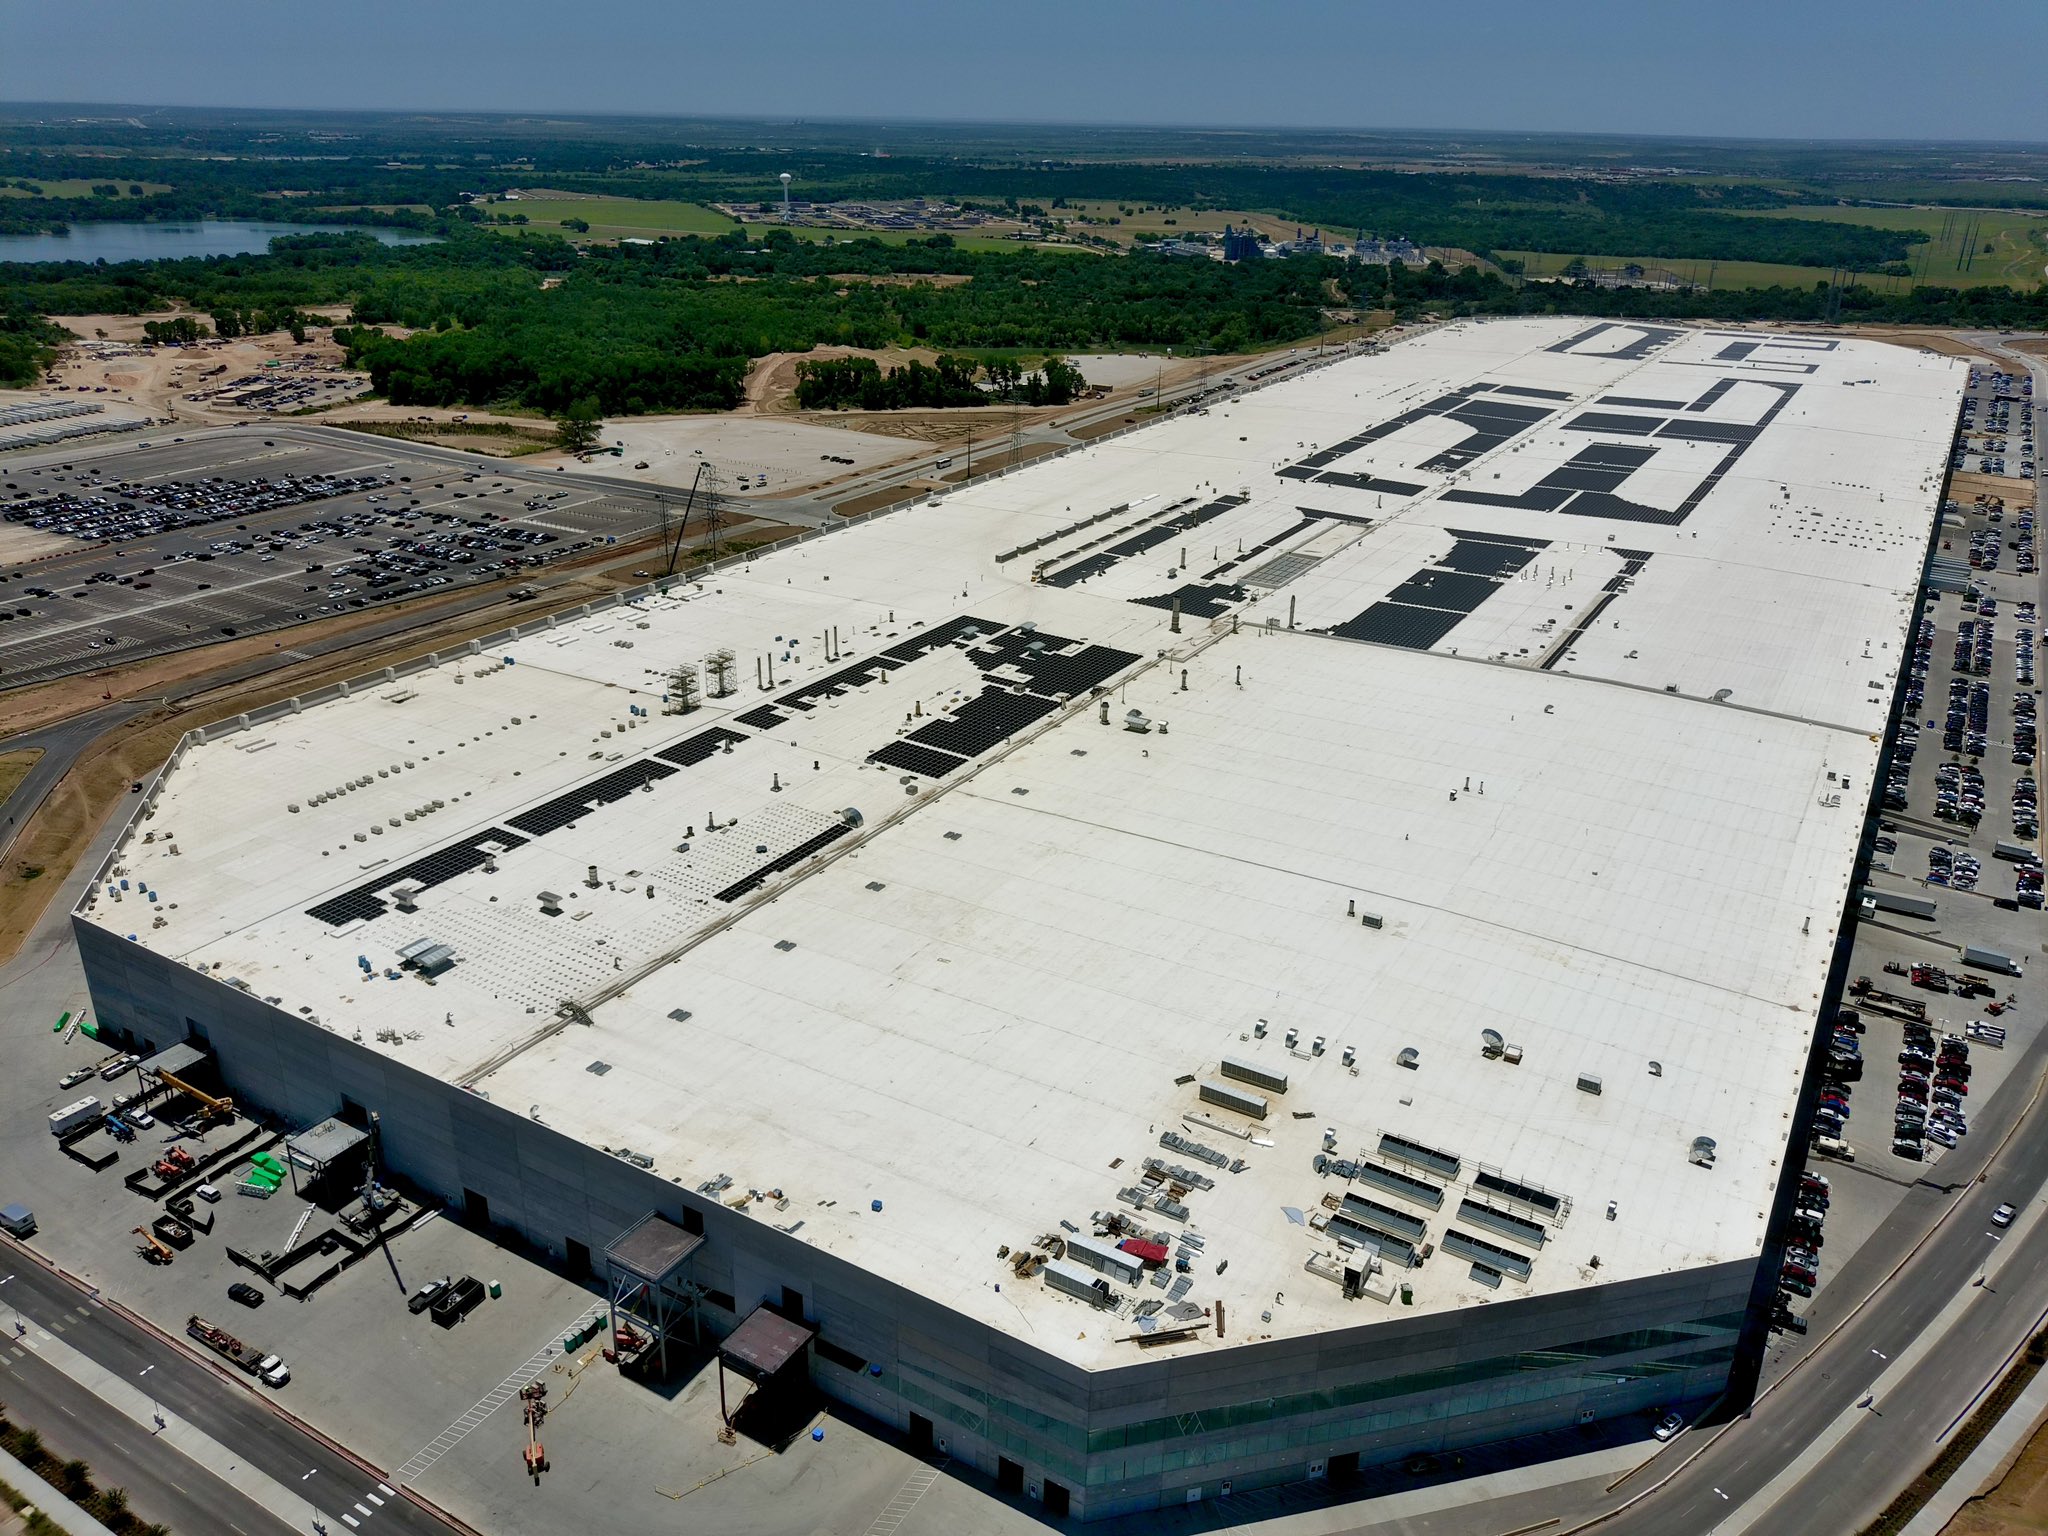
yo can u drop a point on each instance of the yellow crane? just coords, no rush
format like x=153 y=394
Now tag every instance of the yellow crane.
x=211 y=1108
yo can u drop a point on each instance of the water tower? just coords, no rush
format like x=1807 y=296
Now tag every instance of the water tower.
x=785 y=197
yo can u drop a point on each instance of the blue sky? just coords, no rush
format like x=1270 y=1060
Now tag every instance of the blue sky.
x=1906 y=69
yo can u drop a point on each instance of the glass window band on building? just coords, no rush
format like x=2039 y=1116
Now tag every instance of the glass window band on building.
x=1558 y=1371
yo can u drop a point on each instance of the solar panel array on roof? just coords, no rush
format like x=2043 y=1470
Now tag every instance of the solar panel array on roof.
x=1207 y=600
x=1492 y=422
x=577 y=803
x=1071 y=676
x=924 y=760
x=693 y=750
x=1435 y=588
x=427 y=871
x=986 y=720
x=1138 y=543
x=1413 y=629
x=789 y=860
x=831 y=687
x=762 y=717
x=940 y=634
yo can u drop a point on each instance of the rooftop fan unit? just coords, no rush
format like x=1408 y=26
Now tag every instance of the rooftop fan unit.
x=1702 y=1153
x=1409 y=1057
x=1491 y=1043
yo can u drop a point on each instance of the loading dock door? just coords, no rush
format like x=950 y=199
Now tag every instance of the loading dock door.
x=920 y=1435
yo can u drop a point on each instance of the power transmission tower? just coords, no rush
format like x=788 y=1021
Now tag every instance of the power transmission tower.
x=673 y=531
x=1016 y=436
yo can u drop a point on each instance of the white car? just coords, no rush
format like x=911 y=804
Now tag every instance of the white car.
x=1668 y=1426
x=2002 y=1217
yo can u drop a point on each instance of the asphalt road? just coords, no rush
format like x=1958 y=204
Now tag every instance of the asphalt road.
x=162 y=1485
x=232 y=1414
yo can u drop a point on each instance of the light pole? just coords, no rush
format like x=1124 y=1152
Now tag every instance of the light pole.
x=155 y=1413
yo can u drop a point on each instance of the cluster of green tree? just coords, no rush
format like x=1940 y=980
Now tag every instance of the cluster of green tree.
x=182 y=331
x=28 y=343
x=230 y=323
x=858 y=383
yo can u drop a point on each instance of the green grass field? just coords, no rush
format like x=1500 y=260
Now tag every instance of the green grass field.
x=611 y=218
x=81 y=188
x=2018 y=241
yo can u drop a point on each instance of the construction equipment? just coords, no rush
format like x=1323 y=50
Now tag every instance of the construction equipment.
x=174 y=1164
x=152 y=1247
x=534 y=1407
x=210 y=1108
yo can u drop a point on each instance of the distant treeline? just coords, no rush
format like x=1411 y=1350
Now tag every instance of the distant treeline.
x=1586 y=215
x=527 y=319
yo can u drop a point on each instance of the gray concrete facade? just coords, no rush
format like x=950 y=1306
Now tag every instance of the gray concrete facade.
x=1168 y=1428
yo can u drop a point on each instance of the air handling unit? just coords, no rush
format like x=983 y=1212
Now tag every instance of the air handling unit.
x=1251 y=1072
x=1223 y=1094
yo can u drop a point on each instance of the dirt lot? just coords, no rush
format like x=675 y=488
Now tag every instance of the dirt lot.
x=14 y=767
x=2018 y=1506
x=2016 y=493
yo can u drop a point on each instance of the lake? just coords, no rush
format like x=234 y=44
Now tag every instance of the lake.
x=155 y=242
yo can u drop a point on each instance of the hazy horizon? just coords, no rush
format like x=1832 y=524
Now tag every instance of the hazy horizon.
x=1898 y=72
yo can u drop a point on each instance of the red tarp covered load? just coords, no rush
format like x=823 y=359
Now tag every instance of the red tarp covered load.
x=1149 y=1253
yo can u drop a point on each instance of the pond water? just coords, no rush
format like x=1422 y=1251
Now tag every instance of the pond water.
x=154 y=242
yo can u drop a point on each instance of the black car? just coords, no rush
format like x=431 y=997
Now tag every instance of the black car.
x=245 y=1293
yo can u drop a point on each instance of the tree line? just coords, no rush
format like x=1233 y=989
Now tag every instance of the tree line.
x=859 y=383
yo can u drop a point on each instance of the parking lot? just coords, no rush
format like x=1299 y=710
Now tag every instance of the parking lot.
x=172 y=541
x=1996 y=434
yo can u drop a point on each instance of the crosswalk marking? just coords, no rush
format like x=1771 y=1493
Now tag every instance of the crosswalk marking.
x=351 y=1519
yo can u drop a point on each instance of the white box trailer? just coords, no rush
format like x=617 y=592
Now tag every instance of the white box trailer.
x=1989 y=960
x=75 y=1117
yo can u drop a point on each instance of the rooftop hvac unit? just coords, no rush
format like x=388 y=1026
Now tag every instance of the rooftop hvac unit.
x=435 y=960
x=1491 y=1042
x=1251 y=1072
x=1372 y=920
x=1410 y=1058
x=1111 y=1260
x=1238 y=1099
x=407 y=953
x=1588 y=1083
x=550 y=904
x=407 y=896
x=1702 y=1151
x=1059 y=1275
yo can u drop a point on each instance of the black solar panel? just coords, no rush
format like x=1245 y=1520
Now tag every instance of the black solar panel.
x=788 y=860
x=1480 y=559
x=1076 y=674
x=1417 y=629
x=693 y=750
x=1138 y=543
x=762 y=717
x=917 y=759
x=1434 y=588
x=939 y=634
x=838 y=682
x=429 y=870
x=1198 y=602
x=984 y=721
x=577 y=803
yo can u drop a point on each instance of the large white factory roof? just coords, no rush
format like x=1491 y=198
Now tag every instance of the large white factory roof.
x=1518 y=857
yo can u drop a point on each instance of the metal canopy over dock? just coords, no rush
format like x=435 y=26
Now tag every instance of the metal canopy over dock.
x=646 y=1283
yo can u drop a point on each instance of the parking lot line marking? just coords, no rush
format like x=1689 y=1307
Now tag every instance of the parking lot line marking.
x=423 y=1459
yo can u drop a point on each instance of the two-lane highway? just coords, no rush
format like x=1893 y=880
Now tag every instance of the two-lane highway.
x=226 y=1410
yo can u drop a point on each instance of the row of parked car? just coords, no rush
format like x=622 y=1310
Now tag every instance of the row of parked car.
x=1934 y=1079
x=122 y=510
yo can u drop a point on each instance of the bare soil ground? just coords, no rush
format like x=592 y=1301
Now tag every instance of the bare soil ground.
x=2018 y=1505
x=2014 y=493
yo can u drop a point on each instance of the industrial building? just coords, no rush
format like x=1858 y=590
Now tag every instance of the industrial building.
x=1280 y=940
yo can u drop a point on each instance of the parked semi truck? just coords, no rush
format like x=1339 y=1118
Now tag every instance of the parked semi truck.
x=73 y=1118
x=266 y=1368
